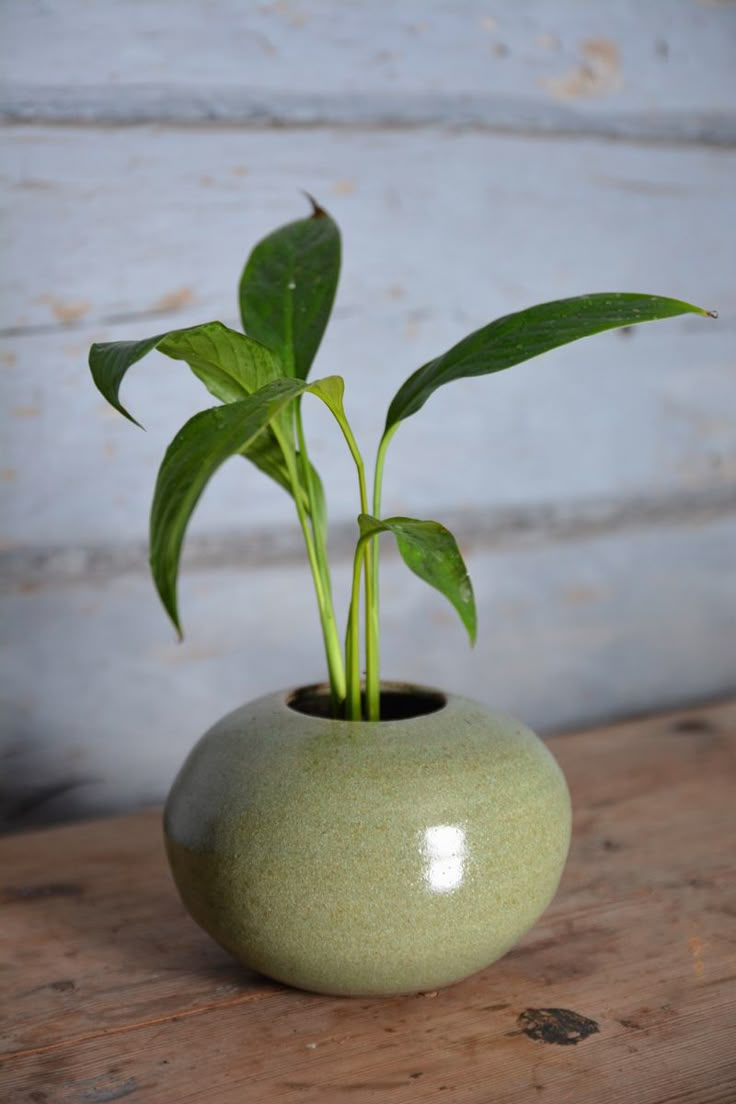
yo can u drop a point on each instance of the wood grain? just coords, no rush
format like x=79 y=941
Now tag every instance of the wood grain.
x=111 y=992
x=547 y=66
x=632 y=413
x=479 y=156
x=571 y=632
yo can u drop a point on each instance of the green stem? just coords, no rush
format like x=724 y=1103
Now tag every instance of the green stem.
x=320 y=537
x=373 y=668
x=380 y=462
x=352 y=639
x=373 y=707
x=372 y=678
x=303 y=457
x=324 y=598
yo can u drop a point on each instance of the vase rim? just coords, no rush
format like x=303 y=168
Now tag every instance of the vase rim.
x=400 y=702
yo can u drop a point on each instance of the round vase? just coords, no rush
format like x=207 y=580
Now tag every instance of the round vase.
x=368 y=858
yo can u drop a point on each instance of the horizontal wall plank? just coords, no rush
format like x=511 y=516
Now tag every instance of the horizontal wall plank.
x=145 y=104
x=101 y=226
x=29 y=566
x=616 y=418
x=622 y=70
x=468 y=159
x=569 y=632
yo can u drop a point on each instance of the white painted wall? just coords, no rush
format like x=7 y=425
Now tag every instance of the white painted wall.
x=479 y=157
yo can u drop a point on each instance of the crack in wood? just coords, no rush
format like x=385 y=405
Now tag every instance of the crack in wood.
x=145 y=104
x=124 y=1029
x=477 y=529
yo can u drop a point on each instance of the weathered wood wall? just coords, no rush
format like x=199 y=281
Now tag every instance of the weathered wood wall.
x=479 y=157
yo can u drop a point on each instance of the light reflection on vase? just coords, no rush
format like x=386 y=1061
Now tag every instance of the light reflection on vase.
x=444 y=851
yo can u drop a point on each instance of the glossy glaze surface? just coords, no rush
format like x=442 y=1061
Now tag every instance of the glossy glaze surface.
x=367 y=858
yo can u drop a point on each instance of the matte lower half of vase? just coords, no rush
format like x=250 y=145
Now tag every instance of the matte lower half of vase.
x=368 y=858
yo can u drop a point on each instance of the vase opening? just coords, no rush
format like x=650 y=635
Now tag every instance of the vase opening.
x=400 y=701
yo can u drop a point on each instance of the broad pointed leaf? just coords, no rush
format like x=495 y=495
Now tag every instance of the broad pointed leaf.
x=288 y=287
x=431 y=552
x=228 y=363
x=203 y=444
x=231 y=366
x=526 y=334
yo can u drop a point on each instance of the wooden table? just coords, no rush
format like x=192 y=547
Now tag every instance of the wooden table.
x=624 y=992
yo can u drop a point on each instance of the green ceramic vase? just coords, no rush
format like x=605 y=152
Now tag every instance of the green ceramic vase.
x=368 y=858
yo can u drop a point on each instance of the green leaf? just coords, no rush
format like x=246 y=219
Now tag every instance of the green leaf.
x=288 y=287
x=203 y=444
x=231 y=366
x=110 y=360
x=267 y=455
x=431 y=552
x=331 y=390
x=198 y=450
x=228 y=363
x=526 y=334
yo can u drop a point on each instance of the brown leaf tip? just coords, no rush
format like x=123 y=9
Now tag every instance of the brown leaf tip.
x=712 y=314
x=317 y=211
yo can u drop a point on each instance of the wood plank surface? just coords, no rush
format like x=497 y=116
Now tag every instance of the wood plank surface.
x=626 y=70
x=622 y=414
x=574 y=627
x=614 y=458
x=479 y=156
x=110 y=992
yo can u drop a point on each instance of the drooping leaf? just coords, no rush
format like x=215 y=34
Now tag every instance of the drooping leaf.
x=228 y=363
x=231 y=366
x=202 y=445
x=110 y=360
x=526 y=334
x=331 y=390
x=288 y=287
x=431 y=552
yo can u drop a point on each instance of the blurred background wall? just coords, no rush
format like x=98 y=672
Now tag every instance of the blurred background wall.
x=479 y=157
